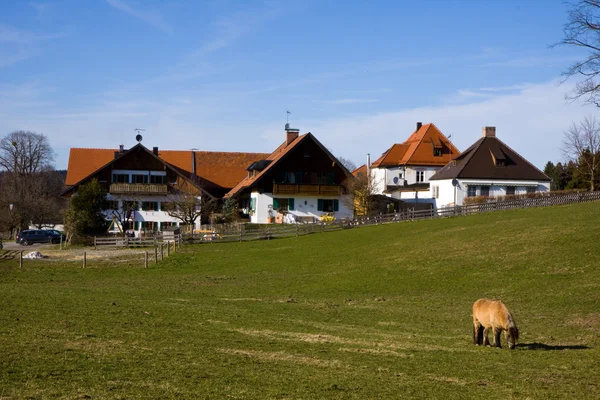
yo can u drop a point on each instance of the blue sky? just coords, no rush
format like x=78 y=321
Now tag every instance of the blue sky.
x=220 y=75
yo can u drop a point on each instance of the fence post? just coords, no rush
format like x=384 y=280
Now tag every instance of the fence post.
x=21 y=259
x=168 y=249
x=85 y=258
x=126 y=240
x=155 y=254
x=146 y=259
x=297 y=230
x=162 y=255
x=94 y=242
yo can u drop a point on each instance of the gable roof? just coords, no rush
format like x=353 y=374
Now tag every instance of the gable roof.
x=479 y=162
x=360 y=170
x=275 y=157
x=224 y=169
x=418 y=149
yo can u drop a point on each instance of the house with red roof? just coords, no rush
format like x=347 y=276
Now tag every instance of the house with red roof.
x=149 y=178
x=299 y=181
x=488 y=168
x=403 y=171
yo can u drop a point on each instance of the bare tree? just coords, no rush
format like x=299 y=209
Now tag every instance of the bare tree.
x=25 y=153
x=188 y=207
x=125 y=211
x=582 y=30
x=350 y=166
x=581 y=145
x=361 y=190
x=28 y=184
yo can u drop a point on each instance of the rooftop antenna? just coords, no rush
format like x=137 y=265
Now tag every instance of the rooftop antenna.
x=139 y=137
x=287 y=117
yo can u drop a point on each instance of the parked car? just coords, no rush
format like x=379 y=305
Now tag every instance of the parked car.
x=32 y=236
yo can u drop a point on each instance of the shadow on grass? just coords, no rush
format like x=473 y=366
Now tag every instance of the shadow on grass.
x=542 y=346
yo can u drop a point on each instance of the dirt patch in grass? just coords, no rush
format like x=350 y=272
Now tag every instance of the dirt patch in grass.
x=591 y=322
x=282 y=356
x=377 y=352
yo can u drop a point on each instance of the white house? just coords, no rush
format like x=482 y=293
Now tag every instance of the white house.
x=300 y=181
x=146 y=180
x=488 y=168
x=404 y=170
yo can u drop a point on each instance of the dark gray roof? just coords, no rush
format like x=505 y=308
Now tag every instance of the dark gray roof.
x=490 y=158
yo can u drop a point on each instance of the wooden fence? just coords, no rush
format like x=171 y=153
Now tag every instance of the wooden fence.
x=272 y=231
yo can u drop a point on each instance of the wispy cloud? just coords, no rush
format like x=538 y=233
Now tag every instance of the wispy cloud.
x=351 y=101
x=151 y=17
x=12 y=35
x=40 y=8
x=230 y=28
x=529 y=61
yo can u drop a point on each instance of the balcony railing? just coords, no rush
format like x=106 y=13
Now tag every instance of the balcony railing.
x=138 y=188
x=287 y=188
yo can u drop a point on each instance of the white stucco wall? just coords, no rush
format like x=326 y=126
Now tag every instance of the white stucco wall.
x=149 y=216
x=394 y=176
x=497 y=188
x=304 y=206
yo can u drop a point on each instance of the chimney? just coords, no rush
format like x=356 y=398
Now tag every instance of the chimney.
x=155 y=150
x=488 y=131
x=419 y=125
x=193 y=162
x=121 y=148
x=290 y=134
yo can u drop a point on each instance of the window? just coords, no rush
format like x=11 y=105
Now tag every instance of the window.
x=150 y=226
x=485 y=191
x=283 y=204
x=328 y=205
x=253 y=203
x=435 y=192
x=158 y=179
x=149 y=206
x=510 y=190
x=471 y=191
x=137 y=178
x=530 y=189
x=437 y=152
x=420 y=176
x=120 y=178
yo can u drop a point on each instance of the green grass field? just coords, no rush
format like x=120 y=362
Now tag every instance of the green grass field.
x=370 y=313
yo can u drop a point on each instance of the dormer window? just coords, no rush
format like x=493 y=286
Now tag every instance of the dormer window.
x=498 y=157
x=437 y=152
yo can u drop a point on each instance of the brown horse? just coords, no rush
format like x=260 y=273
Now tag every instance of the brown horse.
x=493 y=314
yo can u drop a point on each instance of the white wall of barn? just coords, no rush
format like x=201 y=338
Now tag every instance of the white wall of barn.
x=304 y=206
x=496 y=188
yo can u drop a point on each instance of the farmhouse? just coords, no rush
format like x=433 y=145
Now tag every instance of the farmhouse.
x=403 y=171
x=299 y=181
x=150 y=179
x=488 y=168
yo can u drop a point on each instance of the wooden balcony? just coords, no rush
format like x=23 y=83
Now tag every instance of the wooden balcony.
x=138 y=188
x=306 y=189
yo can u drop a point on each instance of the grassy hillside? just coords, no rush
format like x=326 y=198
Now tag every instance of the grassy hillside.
x=375 y=312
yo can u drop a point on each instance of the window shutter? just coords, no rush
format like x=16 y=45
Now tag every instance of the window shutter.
x=137 y=225
x=336 y=205
x=320 y=205
x=156 y=206
x=275 y=204
x=291 y=204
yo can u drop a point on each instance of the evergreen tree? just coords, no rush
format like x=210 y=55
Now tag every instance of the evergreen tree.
x=86 y=214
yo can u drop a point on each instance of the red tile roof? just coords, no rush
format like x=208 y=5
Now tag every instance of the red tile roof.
x=418 y=149
x=360 y=170
x=225 y=169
